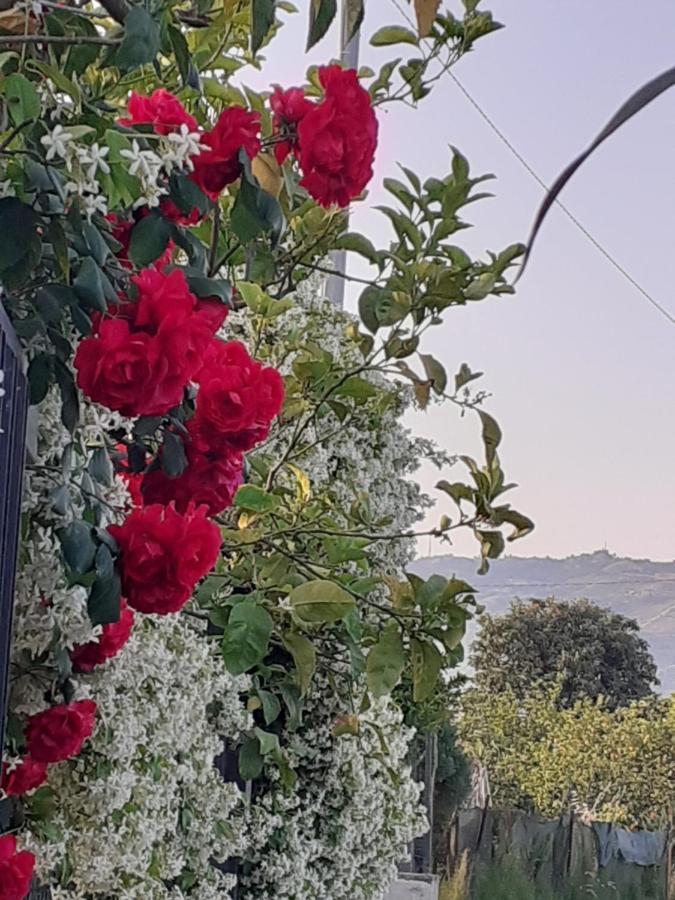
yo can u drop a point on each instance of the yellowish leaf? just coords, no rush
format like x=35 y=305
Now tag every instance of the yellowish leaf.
x=427 y=11
x=266 y=170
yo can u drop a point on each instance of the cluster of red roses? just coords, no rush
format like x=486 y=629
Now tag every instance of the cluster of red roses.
x=52 y=736
x=334 y=139
x=140 y=357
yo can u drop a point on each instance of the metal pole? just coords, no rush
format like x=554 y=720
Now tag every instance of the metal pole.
x=349 y=55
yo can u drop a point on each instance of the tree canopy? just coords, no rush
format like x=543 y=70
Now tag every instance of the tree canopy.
x=593 y=651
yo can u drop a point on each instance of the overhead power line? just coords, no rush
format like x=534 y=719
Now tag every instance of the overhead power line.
x=570 y=215
x=540 y=181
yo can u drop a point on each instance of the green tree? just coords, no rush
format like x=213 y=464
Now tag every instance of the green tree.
x=608 y=765
x=593 y=651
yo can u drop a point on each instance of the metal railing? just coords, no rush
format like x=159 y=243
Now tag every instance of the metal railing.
x=13 y=410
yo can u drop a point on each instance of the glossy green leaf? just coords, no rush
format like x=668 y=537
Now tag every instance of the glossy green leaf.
x=318 y=602
x=141 y=40
x=23 y=101
x=304 y=656
x=385 y=662
x=393 y=34
x=246 y=637
x=149 y=239
x=426 y=666
x=321 y=15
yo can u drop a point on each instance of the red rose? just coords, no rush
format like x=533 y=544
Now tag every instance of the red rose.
x=16 y=870
x=237 y=401
x=28 y=775
x=161 y=110
x=337 y=139
x=86 y=657
x=214 y=311
x=59 y=733
x=218 y=164
x=164 y=554
x=211 y=482
x=169 y=209
x=289 y=108
x=161 y=296
x=128 y=371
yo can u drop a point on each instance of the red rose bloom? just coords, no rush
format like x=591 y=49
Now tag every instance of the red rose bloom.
x=218 y=164
x=169 y=209
x=161 y=296
x=28 y=775
x=86 y=657
x=289 y=108
x=140 y=362
x=16 y=870
x=127 y=371
x=237 y=401
x=211 y=482
x=337 y=139
x=164 y=554
x=59 y=733
x=161 y=110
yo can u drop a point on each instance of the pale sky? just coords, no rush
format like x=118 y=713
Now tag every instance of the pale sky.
x=581 y=368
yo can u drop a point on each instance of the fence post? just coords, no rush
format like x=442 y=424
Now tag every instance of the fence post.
x=13 y=410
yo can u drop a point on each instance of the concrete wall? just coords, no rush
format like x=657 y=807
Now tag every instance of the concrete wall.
x=410 y=888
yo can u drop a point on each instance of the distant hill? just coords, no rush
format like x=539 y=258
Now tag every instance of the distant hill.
x=638 y=588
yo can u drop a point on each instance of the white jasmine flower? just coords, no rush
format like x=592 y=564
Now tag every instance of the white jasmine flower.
x=143 y=163
x=57 y=142
x=7 y=188
x=93 y=160
x=181 y=147
x=94 y=203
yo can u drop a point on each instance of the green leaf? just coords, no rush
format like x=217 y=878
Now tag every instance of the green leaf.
x=78 y=546
x=457 y=490
x=20 y=239
x=250 y=759
x=317 y=602
x=254 y=499
x=354 y=14
x=464 y=376
x=186 y=195
x=492 y=436
x=255 y=211
x=89 y=286
x=393 y=34
x=39 y=377
x=385 y=662
x=262 y=19
x=269 y=743
x=182 y=53
x=70 y=398
x=141 y=40
x=321 y=15
x=357 y=243
x=304 y=656
x=174 y=460
x=23 y=101
x=270 y=706
x=149 y=239
x=246 y=637
x=358 y=388
x=210 y=287
x=426 y=665
x=103 y=604
x=100 y=467
x=435 y=373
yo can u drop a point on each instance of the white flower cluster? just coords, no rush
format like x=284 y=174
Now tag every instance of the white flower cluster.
x=86 y=163
x=341 y=832
x=143 y=810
